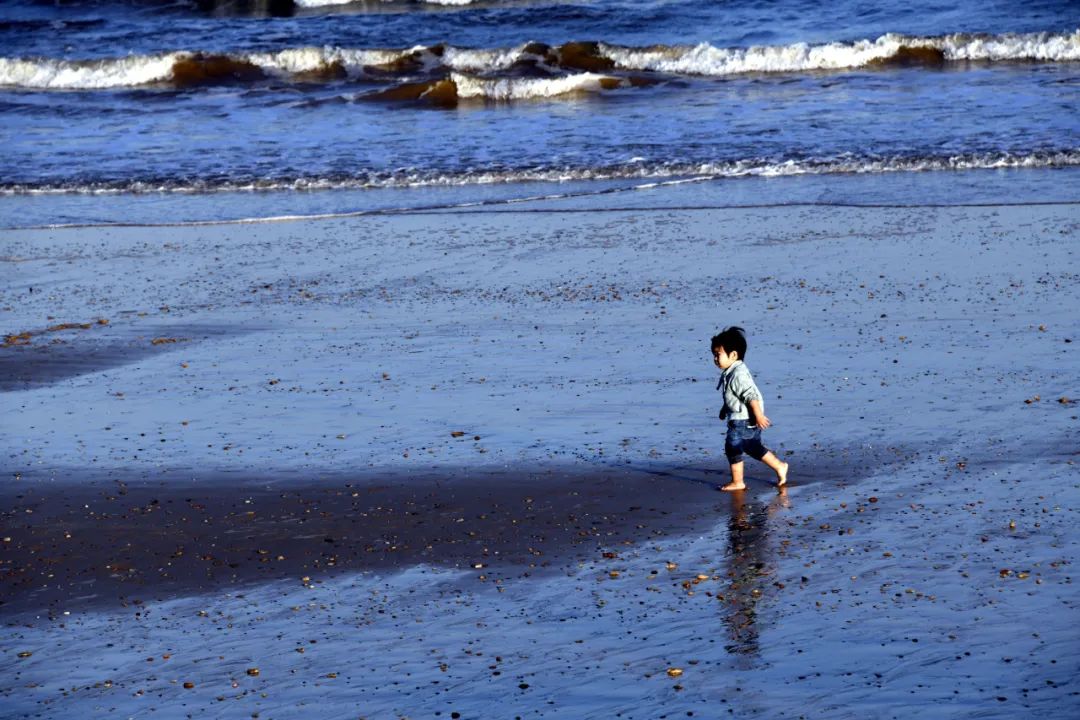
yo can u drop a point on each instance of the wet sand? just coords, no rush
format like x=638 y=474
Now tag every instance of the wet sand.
x=356 y=414
x=116 y=540
x=107 y=544
x=34 y=359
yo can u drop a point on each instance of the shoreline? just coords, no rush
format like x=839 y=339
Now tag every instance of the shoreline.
x=965 y=188
x=489 y=208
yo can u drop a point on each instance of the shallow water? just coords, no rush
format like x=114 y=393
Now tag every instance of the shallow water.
x=961 y=187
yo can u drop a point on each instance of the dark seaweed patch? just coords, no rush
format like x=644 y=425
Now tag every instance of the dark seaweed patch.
x=907 y=56
x=584 y=56
x=442 y=93
x=204 y=69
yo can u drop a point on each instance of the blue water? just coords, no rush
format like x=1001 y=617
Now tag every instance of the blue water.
x=294 y=114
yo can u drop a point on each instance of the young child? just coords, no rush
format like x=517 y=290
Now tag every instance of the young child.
x=743 y=409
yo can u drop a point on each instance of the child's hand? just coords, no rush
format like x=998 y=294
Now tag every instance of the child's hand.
x=758 y=411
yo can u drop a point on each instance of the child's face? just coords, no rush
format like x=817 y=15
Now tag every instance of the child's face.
x=724 y=359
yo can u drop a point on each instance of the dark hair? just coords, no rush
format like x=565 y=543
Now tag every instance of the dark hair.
x=732 y=339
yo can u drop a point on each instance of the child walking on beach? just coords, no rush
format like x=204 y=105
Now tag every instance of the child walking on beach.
x=743 y=409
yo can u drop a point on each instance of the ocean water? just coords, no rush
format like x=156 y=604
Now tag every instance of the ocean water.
x=153 y=111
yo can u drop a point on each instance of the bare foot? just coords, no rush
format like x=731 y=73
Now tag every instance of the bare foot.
x=732 y=487
x=781 y=476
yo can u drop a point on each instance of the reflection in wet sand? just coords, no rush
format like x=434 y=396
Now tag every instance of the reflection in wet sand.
x=749 y=570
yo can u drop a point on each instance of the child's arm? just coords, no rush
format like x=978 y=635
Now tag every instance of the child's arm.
x=747 y=390
x=759 y=412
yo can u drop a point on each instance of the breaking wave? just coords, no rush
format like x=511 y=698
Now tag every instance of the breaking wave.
x=312 y=64
x=887 y=50
x=528 y=88
x=449 y=91
x=632 y=170
x=332 y=3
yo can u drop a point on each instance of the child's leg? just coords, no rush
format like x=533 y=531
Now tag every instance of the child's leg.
x=755 y=449
x=777 y=466
x=736 y=478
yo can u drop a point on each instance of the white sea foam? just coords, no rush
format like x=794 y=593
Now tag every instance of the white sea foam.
x=332 y=3
x=308 y=59
x=87 y=74
x=321 y=3
x=140 y=70
x=480 y=60
x=528 y=88
x=632 y=170
x=705 y=59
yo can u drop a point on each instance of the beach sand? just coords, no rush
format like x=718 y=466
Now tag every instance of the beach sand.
x=418 y=465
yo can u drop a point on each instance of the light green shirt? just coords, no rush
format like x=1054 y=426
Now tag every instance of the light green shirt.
x=739 y=390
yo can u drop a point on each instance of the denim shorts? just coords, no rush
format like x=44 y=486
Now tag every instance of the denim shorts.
x=743 y=438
